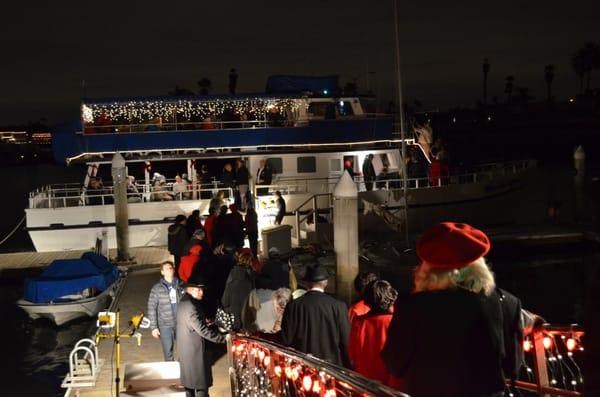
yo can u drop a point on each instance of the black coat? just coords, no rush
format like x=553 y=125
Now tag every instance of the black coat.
x=368 y=170
x=513 y=333
x=191 y=331
x=446 y=343
x=242 y=176
x=265 y=177
x=237 y=288
x=318 y=324
x=177 y=239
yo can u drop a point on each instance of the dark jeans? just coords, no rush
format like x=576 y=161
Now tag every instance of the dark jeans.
x=196 y=392
x=167 y=339
x=369 y=185
x=253 y=240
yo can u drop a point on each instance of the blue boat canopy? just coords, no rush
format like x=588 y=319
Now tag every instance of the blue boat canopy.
x=318 y=85
x=69 y=277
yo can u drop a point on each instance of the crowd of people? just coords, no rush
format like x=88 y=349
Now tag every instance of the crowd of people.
x=456 y=334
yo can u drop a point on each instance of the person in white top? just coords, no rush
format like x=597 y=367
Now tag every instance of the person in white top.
x=180 y=188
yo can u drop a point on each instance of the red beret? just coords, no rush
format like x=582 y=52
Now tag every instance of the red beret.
x=450 y=245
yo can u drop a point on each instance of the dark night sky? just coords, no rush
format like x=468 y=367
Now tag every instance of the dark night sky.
x=123 y=48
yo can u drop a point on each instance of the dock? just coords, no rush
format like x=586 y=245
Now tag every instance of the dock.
x=133 y=301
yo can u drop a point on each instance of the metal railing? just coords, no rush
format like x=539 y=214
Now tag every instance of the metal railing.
x=261 y=368
x=55 y=196
x=552 y=351
x=313 y=211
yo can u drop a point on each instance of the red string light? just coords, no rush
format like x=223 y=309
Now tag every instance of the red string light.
x=307 y=383
x=571 y=344
x=547 y=342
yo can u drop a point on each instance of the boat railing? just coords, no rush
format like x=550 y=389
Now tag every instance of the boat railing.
x=552 y=357
x=259 y=367
x=59 y=197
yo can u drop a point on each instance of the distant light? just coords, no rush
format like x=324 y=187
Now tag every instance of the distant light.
x=571 y=100
x=454 y=119
x=22 y=156
x=489 y=118
x=342 y=103
x=571 y=344
x=325 y=92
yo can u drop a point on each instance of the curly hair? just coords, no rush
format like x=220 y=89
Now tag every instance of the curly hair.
x=244 y=259
x=362 y=280
x=380 y=295
x=477 y=277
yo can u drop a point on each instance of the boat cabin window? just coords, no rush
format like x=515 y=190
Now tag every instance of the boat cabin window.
x=335 y=165
x=344 y=108
x=276 y=164
x=307 y=164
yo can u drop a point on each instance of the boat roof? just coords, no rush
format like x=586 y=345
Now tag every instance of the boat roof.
x=189 y=98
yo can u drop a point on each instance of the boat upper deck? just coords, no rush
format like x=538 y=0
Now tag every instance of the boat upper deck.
x=215 y=123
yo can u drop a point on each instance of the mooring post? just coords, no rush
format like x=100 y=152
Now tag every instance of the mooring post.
x=119 y=175
x=345 y=236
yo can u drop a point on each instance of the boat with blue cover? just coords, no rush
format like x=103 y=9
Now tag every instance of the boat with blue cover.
x=71 y=288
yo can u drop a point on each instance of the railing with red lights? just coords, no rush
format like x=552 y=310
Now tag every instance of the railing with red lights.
x=550 y=367
x=261 y=368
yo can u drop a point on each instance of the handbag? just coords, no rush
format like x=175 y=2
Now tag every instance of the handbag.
x=223 y=320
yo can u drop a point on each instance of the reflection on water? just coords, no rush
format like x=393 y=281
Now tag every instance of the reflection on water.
x=35 y=353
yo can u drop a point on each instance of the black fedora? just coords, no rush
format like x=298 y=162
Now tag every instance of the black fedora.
x=196 y=281
x=315 y=273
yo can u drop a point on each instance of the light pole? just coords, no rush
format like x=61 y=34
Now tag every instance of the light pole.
x=402 y=131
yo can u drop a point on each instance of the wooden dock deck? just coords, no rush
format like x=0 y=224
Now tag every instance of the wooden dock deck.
x=133 y=301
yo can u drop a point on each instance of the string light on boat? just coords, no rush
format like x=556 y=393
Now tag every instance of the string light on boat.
x=165 y=110
x=547 y=341
x=571 y=344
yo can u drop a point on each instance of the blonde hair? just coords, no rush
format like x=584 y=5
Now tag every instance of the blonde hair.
x=476 y=277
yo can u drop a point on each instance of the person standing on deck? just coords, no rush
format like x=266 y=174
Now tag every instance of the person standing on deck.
x=209 y=225
x=361 y=282
x=251 y=223
x=317 y=323
x=242 y=180
x=162 y=308
x=368 y=172
x=264 y=176
x=177 y=237
x=447 y=338
x=280 y=208
x=192 y=330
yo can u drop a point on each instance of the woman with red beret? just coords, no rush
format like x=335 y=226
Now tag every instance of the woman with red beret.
x=447 y=339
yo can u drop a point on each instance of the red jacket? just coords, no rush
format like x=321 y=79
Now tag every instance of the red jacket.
x=209 y=225
x=186 y=267
x=358 y=309
x=367 y=338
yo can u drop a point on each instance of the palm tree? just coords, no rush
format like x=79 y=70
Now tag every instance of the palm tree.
x=204 y=85
x=549 y=75
x=578 y=64
x=508 y=88
x=486 y=70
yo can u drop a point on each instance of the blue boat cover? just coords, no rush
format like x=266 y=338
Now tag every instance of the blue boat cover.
x=326 y=85
x=70 y=276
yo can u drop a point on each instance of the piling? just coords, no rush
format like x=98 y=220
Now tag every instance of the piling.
x=119 y=175
x=579 y=162
x=345 y=236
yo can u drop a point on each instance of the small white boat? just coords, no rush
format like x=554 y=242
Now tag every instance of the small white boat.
x=64 y=311
x=69 y=289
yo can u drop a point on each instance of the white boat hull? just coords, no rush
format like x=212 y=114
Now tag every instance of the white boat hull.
x=63 y=312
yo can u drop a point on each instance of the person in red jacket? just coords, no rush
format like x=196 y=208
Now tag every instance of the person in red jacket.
x=186 y=267
x=209 y=224
x=369 y=333
x=360 y=284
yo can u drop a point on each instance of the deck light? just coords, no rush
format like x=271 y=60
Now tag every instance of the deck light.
x=267 y=361
x=307 y=383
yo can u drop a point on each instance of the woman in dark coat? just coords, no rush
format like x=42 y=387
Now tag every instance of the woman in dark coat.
x=239 y=284
x=196 y=374
x=447 y=338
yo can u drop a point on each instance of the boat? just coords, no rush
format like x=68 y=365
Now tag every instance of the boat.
x=307 y=137
x=72 y=288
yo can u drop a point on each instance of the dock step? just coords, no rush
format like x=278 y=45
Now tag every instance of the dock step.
x=152 y=376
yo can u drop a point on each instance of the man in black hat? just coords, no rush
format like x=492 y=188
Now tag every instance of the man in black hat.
x=317 y=323
x=196 y=375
